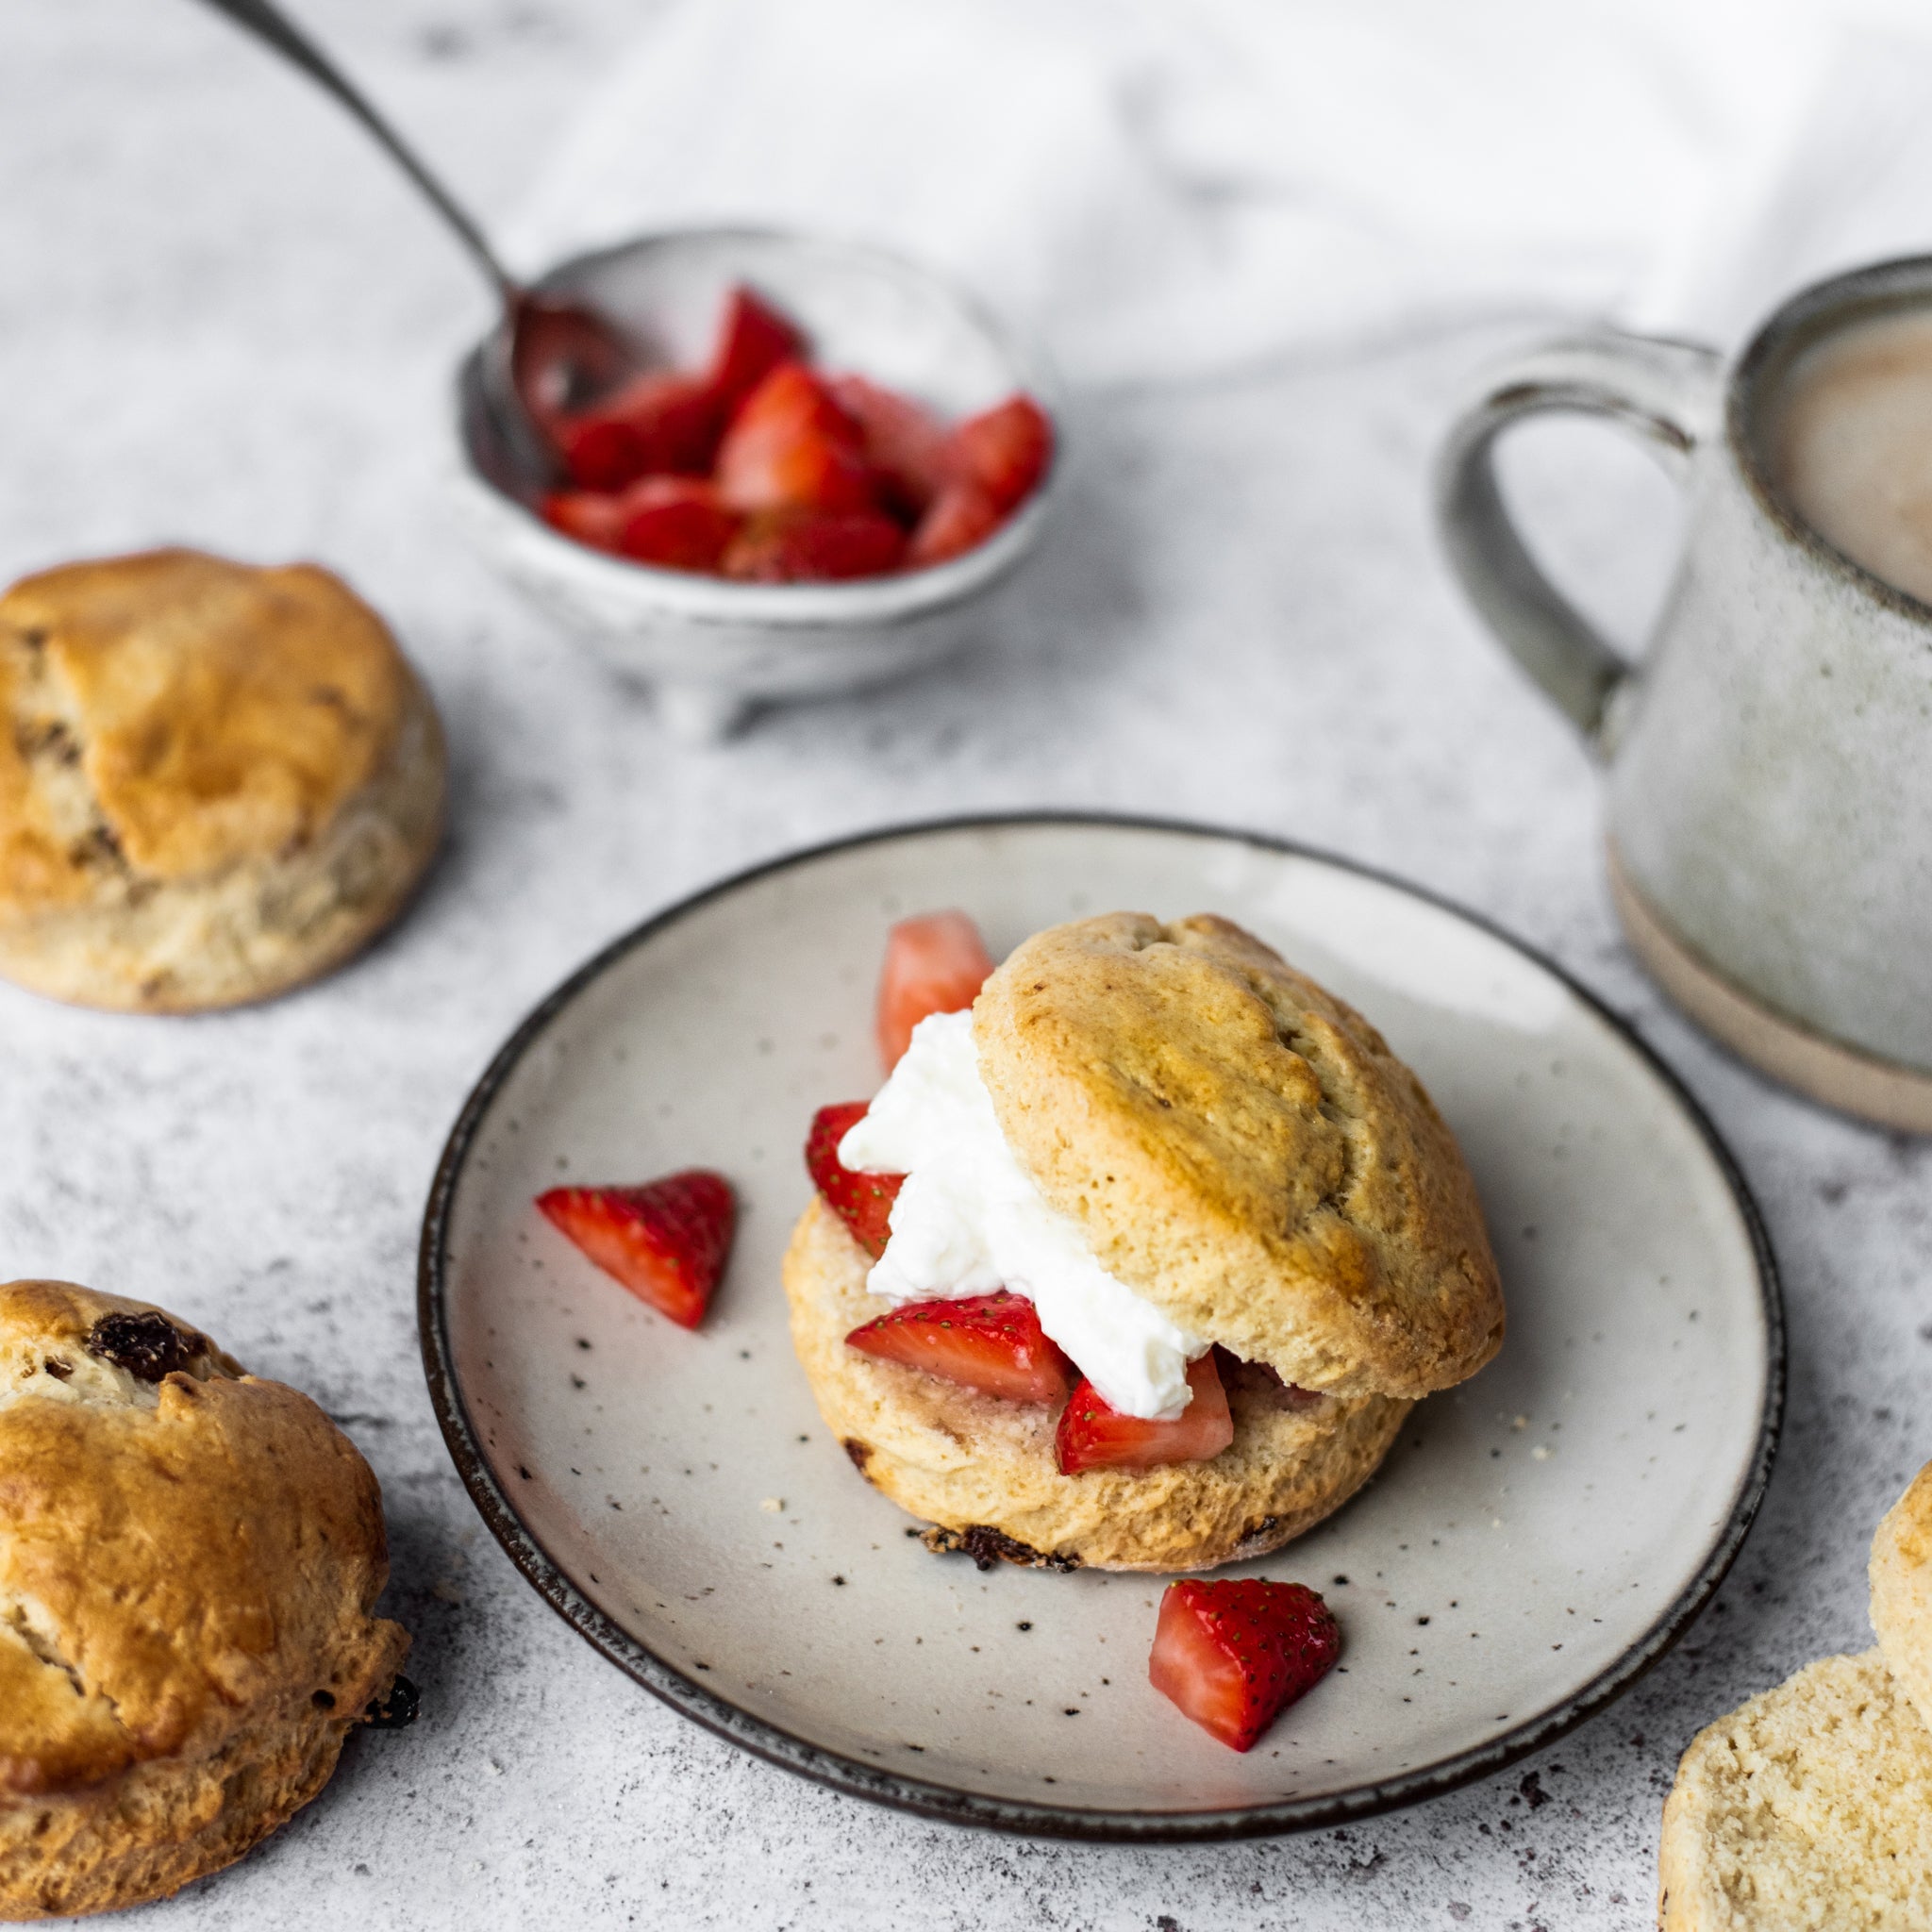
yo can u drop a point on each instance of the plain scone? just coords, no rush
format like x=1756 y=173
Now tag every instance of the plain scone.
x=1242 y=1150
x=188 y=1559
x=216 y=781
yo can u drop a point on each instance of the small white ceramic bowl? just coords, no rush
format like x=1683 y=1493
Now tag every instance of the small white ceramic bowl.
x=713 y=649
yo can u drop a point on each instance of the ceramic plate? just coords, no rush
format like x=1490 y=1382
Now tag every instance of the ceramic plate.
x=1536 y=1540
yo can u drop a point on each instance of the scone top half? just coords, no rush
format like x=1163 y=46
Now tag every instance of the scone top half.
x=1241 y=1149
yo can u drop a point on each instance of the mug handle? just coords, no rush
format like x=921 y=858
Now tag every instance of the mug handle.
x=1668 y=392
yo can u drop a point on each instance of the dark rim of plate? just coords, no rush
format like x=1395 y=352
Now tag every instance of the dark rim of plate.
x=930 y=1800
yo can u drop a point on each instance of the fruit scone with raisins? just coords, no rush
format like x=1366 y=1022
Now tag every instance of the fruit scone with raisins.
x=1138 y=1260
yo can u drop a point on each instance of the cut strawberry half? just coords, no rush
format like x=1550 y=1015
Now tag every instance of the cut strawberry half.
x=591 y=516
x=933 y=964
x=658 y=424
x=1233 y=1655
x=753 y=340
x=1093 y=1435
x=961 y=517
x=814 y=548
x=992 y=1343
x=862 y=1201
x=907 y=445
x=666 y=1241
x=791 y=447
x=675 y=523
x=1005 y=450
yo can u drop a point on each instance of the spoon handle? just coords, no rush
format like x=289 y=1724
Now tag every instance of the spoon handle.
x=273 y=26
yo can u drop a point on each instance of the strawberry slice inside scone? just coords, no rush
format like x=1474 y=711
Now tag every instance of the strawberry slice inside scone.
x=992 y=1343
x=862 y=1201
x=1094 y=1435
x=1233 y=1655
x=667 y=1241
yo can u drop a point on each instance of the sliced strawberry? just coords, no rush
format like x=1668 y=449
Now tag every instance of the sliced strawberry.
x=992 y=1343
x=906 y=444
x=666 y=1241
x=1004 y=449
x=862 y=1201
x=753 y=340
x=811 y=546
x=1263 y=1383
x=1234 y=1654
x=591 y=516
x=1093 y=1435
x=658 y=424
x=961 y=517
x=675 y=523
x=933 y=964
x=791 y=447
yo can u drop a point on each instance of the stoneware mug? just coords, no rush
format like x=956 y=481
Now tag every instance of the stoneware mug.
x=1769 y=760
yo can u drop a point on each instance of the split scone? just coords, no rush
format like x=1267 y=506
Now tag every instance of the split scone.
x=188 y=1557
x=1807 y=1809
x=216 y=782
x=1141 y=1262
x=1811 y=1806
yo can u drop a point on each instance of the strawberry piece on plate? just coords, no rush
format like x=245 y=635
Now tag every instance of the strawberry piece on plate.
x=961 y=517
x=791 y=447
x=812 y=548
x=992 y=1343
x=933 y=964
x=666 y=1242
x=1234 y=1654
x=675 y=523
x=1093 y=1435
x=862 y=1201
x=1004 y=449
x=907 y=445
x=753 y=340
x=591 y=516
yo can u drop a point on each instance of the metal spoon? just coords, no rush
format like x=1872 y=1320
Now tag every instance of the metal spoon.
x=547 y=353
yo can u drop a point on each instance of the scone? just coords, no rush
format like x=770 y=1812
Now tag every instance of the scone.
x=216 y=781
x=1901 y=1578
x=187 y=1561
x=1223 y=1198
x=1807 y=1809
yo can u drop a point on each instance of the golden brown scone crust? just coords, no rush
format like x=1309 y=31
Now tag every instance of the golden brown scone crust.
x=1901 y=1575
x=970 y=1462
x=1810 y=1807
x=216 y=781
x=1241 y=1149
x=186 y=1571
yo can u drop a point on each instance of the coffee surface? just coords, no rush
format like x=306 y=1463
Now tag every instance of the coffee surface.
x=1851 y=444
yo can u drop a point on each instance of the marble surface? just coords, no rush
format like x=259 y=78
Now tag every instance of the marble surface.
x=225 y=321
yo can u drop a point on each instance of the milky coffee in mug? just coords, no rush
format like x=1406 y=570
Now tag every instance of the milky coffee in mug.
x=1769 y=759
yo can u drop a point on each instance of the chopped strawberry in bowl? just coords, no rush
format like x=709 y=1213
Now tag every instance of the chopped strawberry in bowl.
x=858 y=441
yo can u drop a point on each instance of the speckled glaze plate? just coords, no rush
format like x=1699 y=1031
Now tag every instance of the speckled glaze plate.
x=1537 y=1538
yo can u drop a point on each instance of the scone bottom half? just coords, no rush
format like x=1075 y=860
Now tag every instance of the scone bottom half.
x=189 y=1559
x=217 y=781
x=1241 y=1150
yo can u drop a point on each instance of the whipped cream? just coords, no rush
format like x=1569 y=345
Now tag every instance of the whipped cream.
x=968 y=1221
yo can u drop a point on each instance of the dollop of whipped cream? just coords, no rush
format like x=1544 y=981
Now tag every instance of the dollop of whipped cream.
x=968 y=1221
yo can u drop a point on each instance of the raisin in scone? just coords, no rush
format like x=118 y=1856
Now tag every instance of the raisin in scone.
x=1161 y=1157
x=216 y=781
x=189 y=1560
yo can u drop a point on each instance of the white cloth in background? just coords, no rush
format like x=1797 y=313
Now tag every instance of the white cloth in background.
x=1161 y=190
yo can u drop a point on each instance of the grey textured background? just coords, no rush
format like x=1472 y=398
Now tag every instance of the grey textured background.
x=223 y=320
